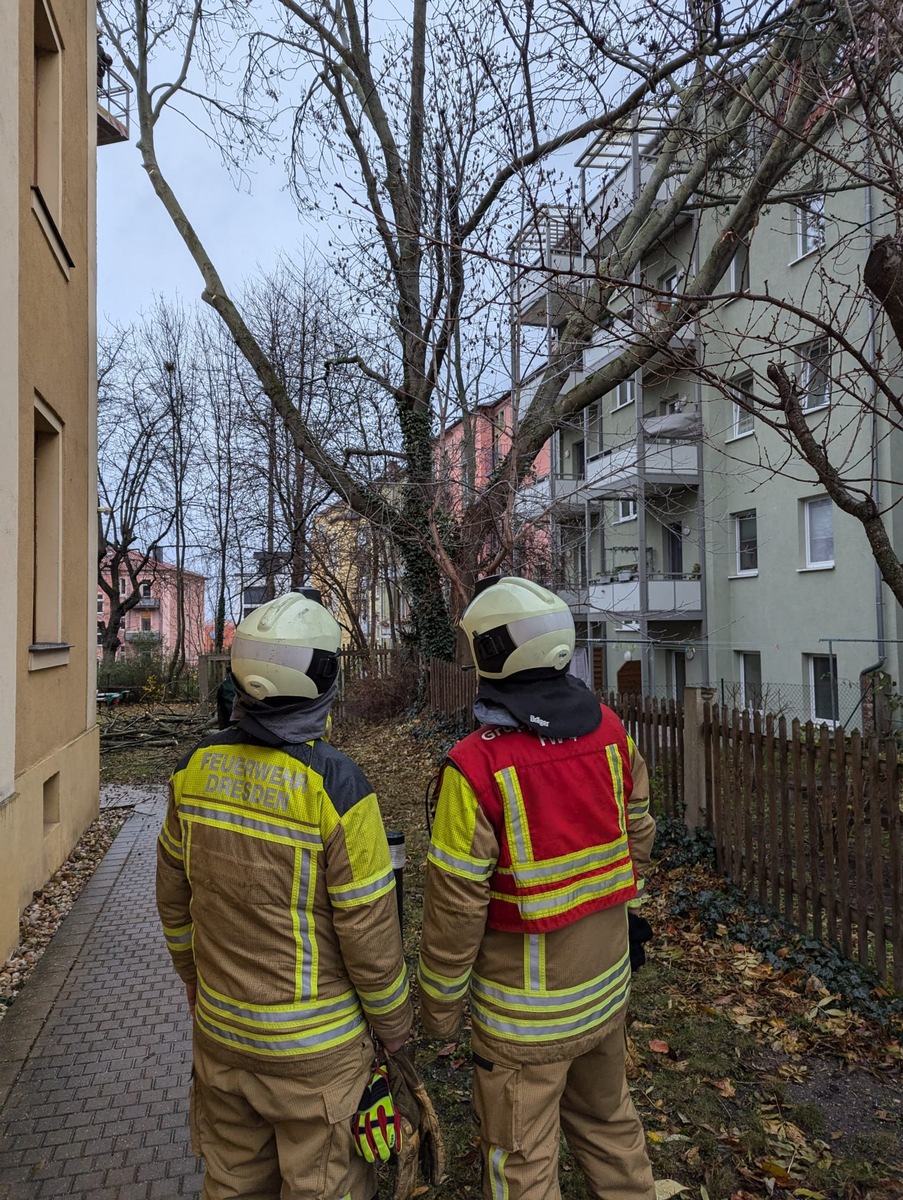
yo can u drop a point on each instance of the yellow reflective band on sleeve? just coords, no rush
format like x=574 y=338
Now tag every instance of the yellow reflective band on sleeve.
x=170 y=845
x=498 y=1184
x=516 y=826
x=389 y=998
x=503 y=1012
x=464 y=865
x=178 y=940
x=362 y=891
x=442 y=987
x=616 y=767
x=637 y=808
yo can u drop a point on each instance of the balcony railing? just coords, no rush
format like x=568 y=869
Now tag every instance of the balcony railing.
x=616 y=471
x=144 y=637
x=113 y=104
x=674 y=596
x=148 y=602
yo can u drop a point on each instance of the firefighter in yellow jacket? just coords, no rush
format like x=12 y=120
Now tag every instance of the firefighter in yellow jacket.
x=541 y=838
x=276 y=893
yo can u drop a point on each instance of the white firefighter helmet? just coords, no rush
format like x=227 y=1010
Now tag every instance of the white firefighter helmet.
x=287 y=648
x=514 y=625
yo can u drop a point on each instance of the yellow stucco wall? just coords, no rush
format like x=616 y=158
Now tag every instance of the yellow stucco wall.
x=50 y=352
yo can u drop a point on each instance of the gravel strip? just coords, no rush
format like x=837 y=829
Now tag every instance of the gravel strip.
x=42 y=918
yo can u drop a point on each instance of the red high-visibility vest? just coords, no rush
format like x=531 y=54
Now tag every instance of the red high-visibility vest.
x=559 y=810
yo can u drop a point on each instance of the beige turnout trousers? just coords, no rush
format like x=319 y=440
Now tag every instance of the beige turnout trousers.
x=271 y=1137
x=521 y=1110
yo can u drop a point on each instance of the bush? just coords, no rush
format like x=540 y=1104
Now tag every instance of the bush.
x=378 y=698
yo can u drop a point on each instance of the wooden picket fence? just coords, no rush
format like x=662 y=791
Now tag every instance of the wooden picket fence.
x=808 y=819
x=657 y=727
x=450 y=690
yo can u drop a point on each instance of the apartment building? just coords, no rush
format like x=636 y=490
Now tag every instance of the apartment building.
x=170 y=608
x=52 y=122
x=693 y=547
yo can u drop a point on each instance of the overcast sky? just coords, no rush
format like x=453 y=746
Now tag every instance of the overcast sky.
x=139 y=253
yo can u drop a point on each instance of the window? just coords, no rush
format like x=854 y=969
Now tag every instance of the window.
x=627 y=509
x=578 y=459
x=742 y=419
x=498 y=426
x=823 y=683
x=815 y=373
x=100 y=603
x=810 y=225
x=123 y=584
x=145 y=624
x=594 y=429
x=738 y=272
x=751 y=680
x=819 y=516
x=624 y=394
x=47 y=173
x=746 y=539
x=667 y=286
x=99 y=634
x=47 y=602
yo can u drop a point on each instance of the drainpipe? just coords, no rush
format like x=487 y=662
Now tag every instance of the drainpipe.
x=875 y=490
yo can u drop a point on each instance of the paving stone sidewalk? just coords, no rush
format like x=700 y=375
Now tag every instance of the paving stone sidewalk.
x=95 y=1054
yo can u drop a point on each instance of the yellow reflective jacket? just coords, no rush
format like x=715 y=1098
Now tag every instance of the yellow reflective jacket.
x=535 y=996
x=276 y=894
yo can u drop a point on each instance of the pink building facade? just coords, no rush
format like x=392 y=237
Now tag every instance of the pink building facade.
x=466 y=460
x=153 y=622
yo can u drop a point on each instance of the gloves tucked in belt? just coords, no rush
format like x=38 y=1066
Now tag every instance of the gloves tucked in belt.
x=639 y=931
x=376 y=1126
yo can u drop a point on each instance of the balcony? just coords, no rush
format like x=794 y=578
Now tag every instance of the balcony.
x=143 y=637
x=537 y=498
x=676 y=597
x=665 y=464
x=113 y=95
x=148 y=602
x=547 y=251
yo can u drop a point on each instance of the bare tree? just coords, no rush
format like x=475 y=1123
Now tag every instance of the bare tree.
x=134 y=519
x=445 y=130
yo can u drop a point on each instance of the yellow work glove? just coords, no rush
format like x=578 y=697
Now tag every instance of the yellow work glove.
x=375 y=1126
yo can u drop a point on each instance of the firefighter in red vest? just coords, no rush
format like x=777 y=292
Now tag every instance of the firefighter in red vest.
x=541 y=839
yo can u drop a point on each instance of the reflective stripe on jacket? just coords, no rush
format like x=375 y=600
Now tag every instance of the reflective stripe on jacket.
x=558 y=809
x=276 y=893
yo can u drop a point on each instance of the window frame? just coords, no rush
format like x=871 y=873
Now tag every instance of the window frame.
x=741 y=383
x=739 y=570
x=632 y=513
x=808 y=366
x=810 y=214
x=738 y=281
x=817 y=564
x=743 y=655
x=628 y=384
x=832 y=675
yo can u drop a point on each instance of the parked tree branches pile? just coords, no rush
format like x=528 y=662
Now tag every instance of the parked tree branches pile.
x=147 y=728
